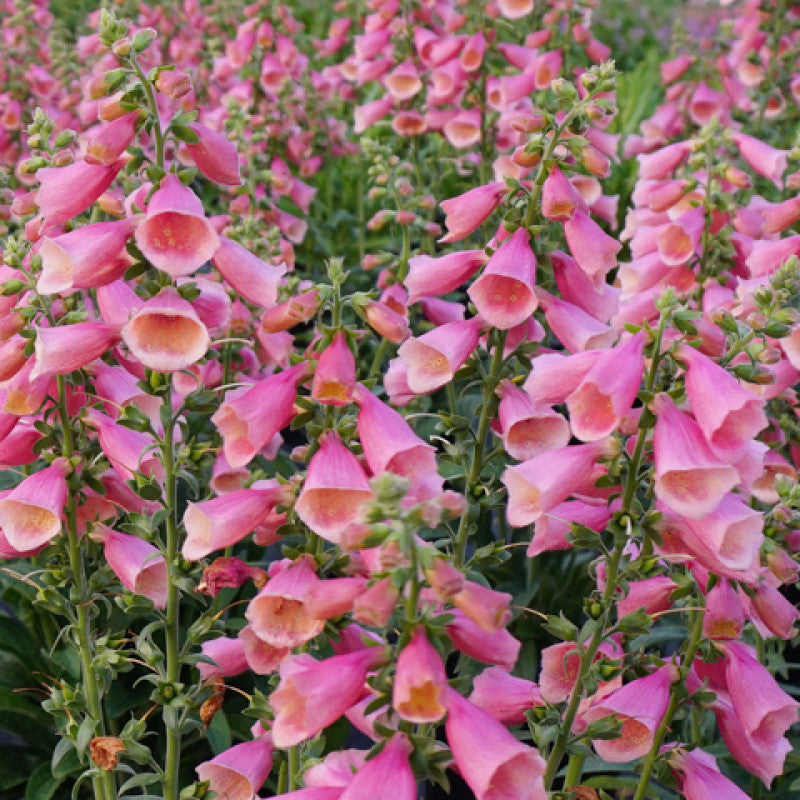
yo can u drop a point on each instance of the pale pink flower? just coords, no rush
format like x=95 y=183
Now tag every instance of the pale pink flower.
x=504 y=293
x=239 y=772
x=690 y=478
x=334 y=489
x=138 y=564
x=313 y=694
x=495 y=765
x=277 y=614
x=166 y=334
x=420 y=681
x=30 y=515
x=175 y=235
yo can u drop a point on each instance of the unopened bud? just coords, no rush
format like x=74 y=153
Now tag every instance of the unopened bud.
x=121 y=48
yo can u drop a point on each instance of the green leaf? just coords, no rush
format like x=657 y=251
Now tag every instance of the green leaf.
x=219 y=734
x=16 y=767
x=12 y=702
x=42 y=785
x=63 y=747
x=17 y=639
x=144 y=779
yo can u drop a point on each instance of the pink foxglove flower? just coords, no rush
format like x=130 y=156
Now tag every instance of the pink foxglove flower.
x=542 y=482
x=66 y=191
x=661 y=163
x=386 y=321
x=389 y=768
x=166 y=334
x=594 y=251
x=335 y=376
x=472 y=55
x=403 y=82
x=138 y=564
x=763 y=708
x=467 y=211
x=764 y=159
x=108 y=142
x=640 y=705
x=690 y=478
x=261 y=657
x=487 y=608
x=699 y=777
x=651 y=594
x=560 y=199
x=277 y=614
x=554 y=376
x=575 y=328
x=254 y=279
x=528 y=430
x=504 y=293
x=215 y=155
x=128 y=451
x=90 y=256
x=175 y=235
x=560 y=667
x=30 y=515
x=297 y=309
x=12 y=356
x=430 y=277
x=249 y=417
x=333 y=597
x=432 y=359
x=420 y=681
x=550 y=530
x=222 y=521
x=497 y=647
x=227 y=655
x=67 y=348
x=606 y=393
x=313 y=694
x=728 y=414
x=239 y=772
x=495 y=765
x=504 y=696
x=335 y=487
x=391 y=446
x=313 y=793
x=763 y=756
x=376 y=605
x=723 y=617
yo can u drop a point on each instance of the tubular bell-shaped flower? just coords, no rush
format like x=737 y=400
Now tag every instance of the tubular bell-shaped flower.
x=504 y=293
x=30 y=515
x=166 y=334
x=334 y=489
x=175 y=235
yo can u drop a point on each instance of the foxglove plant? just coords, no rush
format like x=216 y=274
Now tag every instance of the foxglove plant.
x=412 y=457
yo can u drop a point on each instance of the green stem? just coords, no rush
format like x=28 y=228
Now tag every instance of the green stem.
x=674 y=703
x=543 y=169
x=412 y=600
x=586 y=659
x=405 y=254
x=574 y=770
x=173 y=733
x=488 y=410
x=294 y=766
x=104 y=785
x=158 y=133
x=380 y=353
